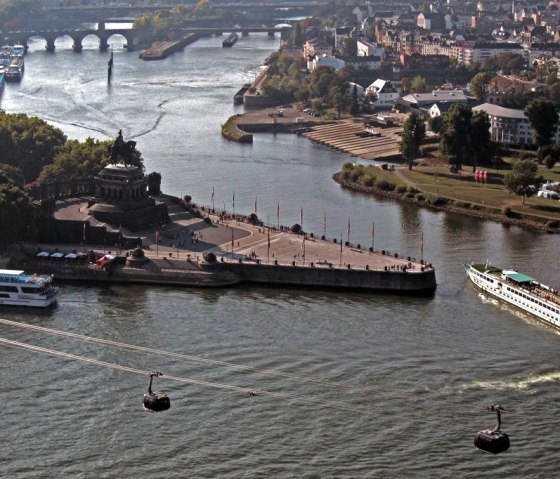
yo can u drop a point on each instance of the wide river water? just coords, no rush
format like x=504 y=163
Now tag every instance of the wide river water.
x=351 y=385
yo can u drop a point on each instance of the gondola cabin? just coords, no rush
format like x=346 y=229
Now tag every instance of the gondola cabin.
x=493 y=440
x=156 y=401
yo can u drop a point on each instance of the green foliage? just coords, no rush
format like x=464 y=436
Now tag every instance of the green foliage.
x=435 y=123
x=522 y=179
x=17 y=214
x=420 y=197
x=368 y=180
x=506 y=211
x=479 y=85
x=347 y=166
x=414 y=132
x=75 y=160
x=418 y=85
x=465 y=137
x=543 y=116
x=401 y=189
x=385 y=185
x=28 y=143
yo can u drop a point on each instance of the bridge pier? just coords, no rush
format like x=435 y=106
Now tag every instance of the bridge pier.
x=77 y=46
x=103 y=45
x=50 y=45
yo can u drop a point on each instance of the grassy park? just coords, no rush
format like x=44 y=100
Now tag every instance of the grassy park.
x=433 y=185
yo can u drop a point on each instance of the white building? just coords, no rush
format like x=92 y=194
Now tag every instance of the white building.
x=368 y=49
x=384 y=94
x=511 y=127
x=326 y=61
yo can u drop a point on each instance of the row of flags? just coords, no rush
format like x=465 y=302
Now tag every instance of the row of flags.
x=479 y=176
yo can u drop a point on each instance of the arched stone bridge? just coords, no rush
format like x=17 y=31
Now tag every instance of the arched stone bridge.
x=22 y=38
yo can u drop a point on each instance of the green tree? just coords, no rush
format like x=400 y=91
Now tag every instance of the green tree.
x=78 y=160
x=543 y=116
x=413 y=135
x=17 y=214
x=479 y=84
x=454 y=135
x=480 y=139
x=354 y=106
x=435 y=123
x=522 y=179
x=28 y=143
x=418 y=85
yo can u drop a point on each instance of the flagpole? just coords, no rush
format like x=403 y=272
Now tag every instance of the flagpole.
x=212 y=199
x=340 y=259
x=372 y=233
x=278 y=214
x=325 y=224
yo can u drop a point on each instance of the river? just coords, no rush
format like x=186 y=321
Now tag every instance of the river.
x=371 y=385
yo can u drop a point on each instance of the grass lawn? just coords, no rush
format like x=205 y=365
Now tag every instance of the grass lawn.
x=437 y=181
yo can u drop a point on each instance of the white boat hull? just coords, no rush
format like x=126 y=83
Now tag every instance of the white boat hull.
x=546 y=311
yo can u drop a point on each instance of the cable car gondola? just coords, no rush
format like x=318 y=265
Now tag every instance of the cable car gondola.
x=156 y=401
x=493 y=440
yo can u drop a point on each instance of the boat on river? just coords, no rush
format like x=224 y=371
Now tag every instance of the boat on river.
x=517 y=289
x=230 y=40
x=20 y=289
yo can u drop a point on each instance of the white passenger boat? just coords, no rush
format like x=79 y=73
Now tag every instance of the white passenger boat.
x=20 y=289
x=519 y=290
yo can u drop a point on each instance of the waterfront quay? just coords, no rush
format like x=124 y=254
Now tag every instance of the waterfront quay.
x=179 y=254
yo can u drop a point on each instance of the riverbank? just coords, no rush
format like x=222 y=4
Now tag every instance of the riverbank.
x=445 y=194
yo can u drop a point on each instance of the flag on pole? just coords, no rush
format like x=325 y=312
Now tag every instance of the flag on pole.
x=349 y=226
x=212 y=195
x=233 y=201
x=301 y=217
x=255 y=205
x=278 y=214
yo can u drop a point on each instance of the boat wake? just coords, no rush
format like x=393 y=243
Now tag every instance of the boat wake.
x=520 y=384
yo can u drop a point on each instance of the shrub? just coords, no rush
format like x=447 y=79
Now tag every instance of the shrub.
x=439 y=201
x=553 y=224
x=420 y=197
x=348 y=166
x=506 y=211
x=409 y=195
x=368 y=180
x=355 y=175
x=453 y=169
x=345 y=175
x=412 y=190
x=385 y=185
x=401 y=189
